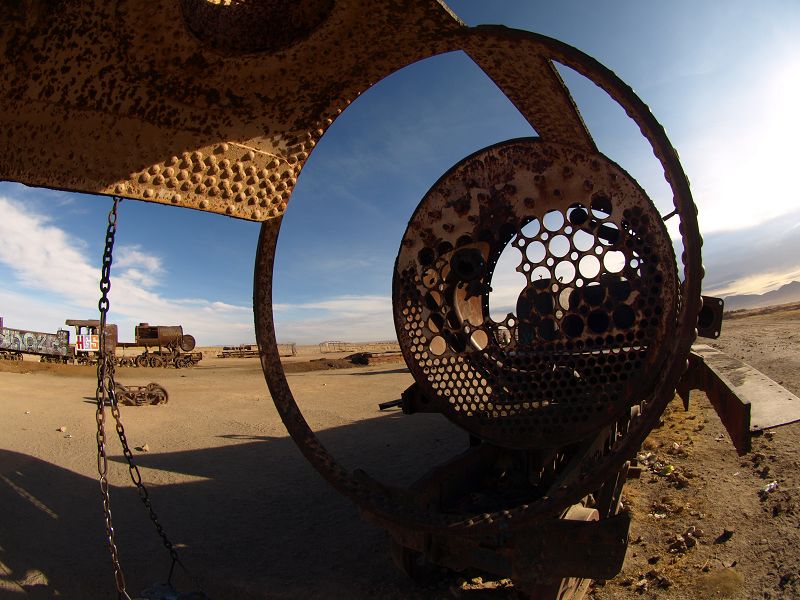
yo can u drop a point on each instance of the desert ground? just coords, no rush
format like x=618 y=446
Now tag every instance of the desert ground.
x=253 y=520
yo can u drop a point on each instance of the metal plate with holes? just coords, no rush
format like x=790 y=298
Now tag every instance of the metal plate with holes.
x=586 y=333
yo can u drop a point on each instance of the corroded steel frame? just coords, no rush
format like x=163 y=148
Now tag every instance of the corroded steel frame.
x=395 y=506
x=226 y=126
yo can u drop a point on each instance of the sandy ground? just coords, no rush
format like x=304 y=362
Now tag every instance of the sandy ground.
x=253 y=520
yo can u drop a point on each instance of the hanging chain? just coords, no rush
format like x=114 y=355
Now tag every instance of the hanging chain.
x=106 y=392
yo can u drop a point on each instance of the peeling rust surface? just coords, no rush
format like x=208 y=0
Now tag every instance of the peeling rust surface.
x=129 y=99
x=518 y=64
x=248 y=26
x=195 y=104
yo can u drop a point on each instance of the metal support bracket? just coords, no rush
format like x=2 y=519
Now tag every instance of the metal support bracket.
x=746 y=400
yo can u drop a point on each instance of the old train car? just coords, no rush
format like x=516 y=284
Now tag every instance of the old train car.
x=166 y=336
x=87 y=339
x=50 y=346
x=164 y=346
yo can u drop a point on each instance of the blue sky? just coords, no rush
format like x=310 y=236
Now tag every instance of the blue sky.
x=723 y=78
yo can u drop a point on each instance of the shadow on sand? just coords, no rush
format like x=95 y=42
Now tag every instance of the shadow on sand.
x=254 y=520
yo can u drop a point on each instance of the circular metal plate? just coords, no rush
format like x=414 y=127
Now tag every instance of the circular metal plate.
x=582 y=339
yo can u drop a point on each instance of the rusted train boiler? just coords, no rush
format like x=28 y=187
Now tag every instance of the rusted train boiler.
x=166 y=336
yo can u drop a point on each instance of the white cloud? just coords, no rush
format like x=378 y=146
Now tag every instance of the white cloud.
x=54 y=281
x=743 y=165
x=342 y=305
x=44 y=257
x=143 y=278
x=347 y=318
x=757 y=283
x=133 y=257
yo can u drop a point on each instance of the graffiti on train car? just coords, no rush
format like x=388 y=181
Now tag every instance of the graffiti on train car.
x=35 y=342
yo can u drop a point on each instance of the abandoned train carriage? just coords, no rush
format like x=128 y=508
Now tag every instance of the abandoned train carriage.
x=51 y=347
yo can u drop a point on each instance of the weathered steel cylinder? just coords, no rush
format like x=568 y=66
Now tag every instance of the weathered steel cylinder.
x=168 y=336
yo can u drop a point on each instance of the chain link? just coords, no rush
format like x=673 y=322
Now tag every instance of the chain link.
x=106 y=394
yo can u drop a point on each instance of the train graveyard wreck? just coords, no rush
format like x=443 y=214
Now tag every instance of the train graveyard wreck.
x=555 y=399
x=162 y=346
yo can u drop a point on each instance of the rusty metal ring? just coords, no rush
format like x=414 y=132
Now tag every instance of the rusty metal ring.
x=395 y=505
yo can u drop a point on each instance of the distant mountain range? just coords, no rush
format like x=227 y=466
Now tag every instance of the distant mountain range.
x=789 y=292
